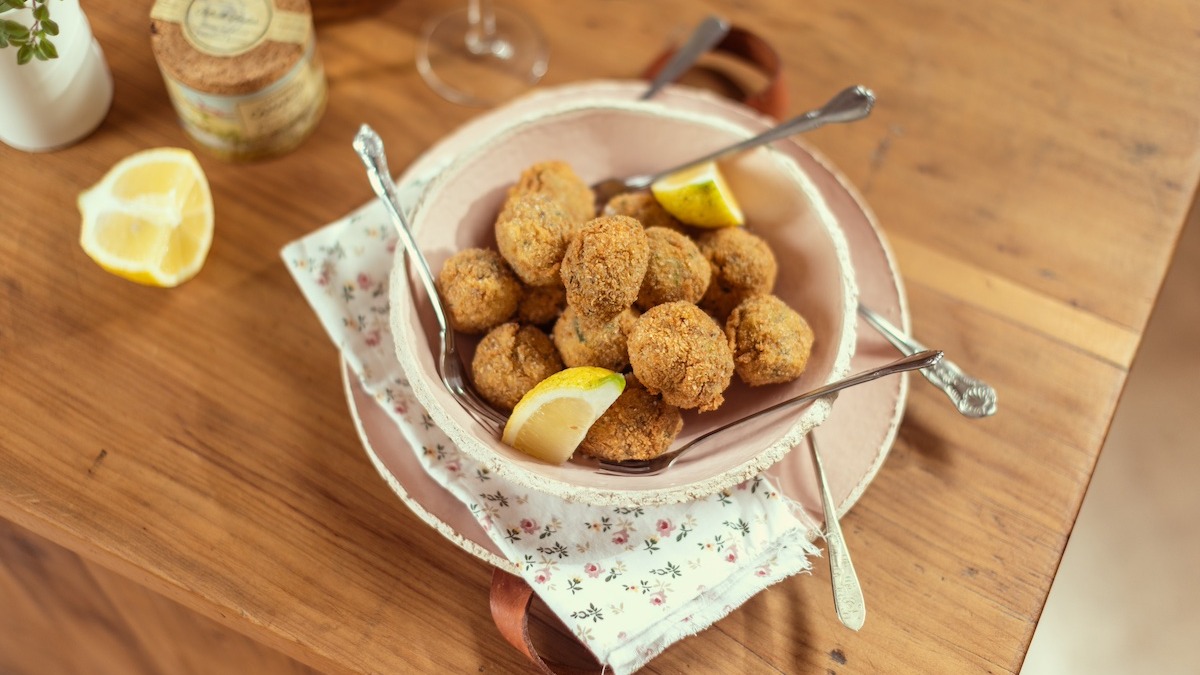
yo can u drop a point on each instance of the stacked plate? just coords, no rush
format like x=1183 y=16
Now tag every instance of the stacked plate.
x=827 y=242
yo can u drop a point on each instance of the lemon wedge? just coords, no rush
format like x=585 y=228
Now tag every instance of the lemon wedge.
x=699 y=196
x=150 y=219
x=551 y=420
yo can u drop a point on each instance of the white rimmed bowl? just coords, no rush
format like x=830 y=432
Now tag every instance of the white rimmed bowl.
x=605 y=138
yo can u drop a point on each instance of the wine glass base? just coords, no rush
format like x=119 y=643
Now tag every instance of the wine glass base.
x=481 y=72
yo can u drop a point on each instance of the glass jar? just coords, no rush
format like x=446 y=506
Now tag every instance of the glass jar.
x=244 y=75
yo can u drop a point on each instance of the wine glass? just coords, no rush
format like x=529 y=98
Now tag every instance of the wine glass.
x=482 y=54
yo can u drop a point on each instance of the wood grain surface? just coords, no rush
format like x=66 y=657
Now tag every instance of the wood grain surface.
x=1031 y=163
x=64 y=614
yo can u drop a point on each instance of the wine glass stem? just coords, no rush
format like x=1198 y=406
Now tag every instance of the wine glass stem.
x=481 y=36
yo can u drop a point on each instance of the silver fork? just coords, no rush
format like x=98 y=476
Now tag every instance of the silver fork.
x=706 y=36
x=848 y=600
x=369 y=147
x=651 y=467
x=971 y=396
x=849 y=105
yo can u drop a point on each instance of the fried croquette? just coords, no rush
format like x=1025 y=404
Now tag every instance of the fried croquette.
x=638 y=425
x=541 y=305
x=676 y=270
x=584 y=344
x=644 y=208
x=478 y=289
x=742 y=266
x=679 y=351
x=531 y=233
x=558 y=182
x=510 y=360
x=604 y=266
x=771 y=342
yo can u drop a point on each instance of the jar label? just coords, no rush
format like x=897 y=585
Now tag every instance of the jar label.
x=282 y=106
x=232 y=27
x=255 y=124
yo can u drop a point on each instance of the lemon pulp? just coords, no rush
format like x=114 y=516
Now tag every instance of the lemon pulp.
x=551 y=420
x=150 y=218
x=699 y=196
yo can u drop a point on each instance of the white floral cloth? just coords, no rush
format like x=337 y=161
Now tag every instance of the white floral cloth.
x=628 y=581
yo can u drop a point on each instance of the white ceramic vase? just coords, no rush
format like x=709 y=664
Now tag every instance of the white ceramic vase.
x=46 y=105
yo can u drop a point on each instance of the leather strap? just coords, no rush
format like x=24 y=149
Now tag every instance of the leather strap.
x=756 y=52
x=510 y=600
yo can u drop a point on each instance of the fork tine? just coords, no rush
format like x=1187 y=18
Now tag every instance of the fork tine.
x=483 y=408
x=478 y=401
x=478 y=410
x=618 y=468
x=454 y=377
x=643 y=467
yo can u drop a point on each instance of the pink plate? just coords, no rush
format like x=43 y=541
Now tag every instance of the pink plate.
x=863 y=423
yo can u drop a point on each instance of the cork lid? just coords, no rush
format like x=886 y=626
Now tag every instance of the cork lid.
x=229 y=47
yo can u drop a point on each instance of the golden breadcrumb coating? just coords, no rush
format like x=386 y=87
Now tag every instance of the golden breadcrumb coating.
x=676 y=270
x=638 y=425
x=679 y=351
x=604 y=266
x=541 y=305
x=510 y=360
x=478 y=290
x=532 y=233
x=644 y=208
x=559 y=182
x=771 y=342
x=602 y=345
x=742 y=266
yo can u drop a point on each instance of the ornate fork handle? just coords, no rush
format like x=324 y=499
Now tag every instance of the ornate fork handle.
x=369 y=147
x=848 y=601
x=971 y=396
x=848 y=105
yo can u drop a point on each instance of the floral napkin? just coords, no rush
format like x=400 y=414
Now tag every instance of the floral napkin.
x=627 y=581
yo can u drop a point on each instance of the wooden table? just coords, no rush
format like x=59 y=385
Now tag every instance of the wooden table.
x=184 y=487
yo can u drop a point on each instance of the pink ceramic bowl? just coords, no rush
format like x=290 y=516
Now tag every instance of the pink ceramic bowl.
x=604 y=138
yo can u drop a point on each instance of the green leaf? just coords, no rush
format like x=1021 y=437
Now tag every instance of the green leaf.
x=14 y=29
x=24 y=54
x=3 y=41
x=49 y=27
x=47 y=48
x=41 y=12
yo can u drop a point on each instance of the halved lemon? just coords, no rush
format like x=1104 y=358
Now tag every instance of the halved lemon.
x=699 y=196
x=150 y=219
x=551 y=420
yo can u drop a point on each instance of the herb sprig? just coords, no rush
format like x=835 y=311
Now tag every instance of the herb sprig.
x=32 y=41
